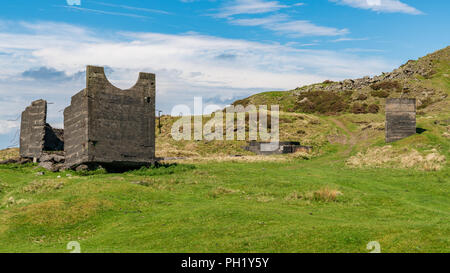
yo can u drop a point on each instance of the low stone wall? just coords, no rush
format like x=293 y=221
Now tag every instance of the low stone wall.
x=271 y=148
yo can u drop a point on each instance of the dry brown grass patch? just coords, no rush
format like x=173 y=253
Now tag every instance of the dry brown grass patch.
x=43 y=186
x=221 y=191
x=325 y=194
x=387 y=156
x=9 y=153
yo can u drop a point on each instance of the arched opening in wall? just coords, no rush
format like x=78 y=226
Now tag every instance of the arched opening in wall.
x=123 y=79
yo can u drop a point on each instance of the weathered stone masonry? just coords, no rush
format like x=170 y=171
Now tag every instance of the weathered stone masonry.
x=36 y=136
x=400 y=119
x=32 y=129
x=111 y=127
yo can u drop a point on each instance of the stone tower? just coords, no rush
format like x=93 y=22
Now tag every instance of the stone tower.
x=108 y=126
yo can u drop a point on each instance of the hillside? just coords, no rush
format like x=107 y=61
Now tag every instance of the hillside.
x=427 y=79
x=348 y=113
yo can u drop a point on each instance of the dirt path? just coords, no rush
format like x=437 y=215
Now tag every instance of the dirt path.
x=351 y=138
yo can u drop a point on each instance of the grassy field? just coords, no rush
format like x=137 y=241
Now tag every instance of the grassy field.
x=211 y=202
x=294 y=205
x=352 y=190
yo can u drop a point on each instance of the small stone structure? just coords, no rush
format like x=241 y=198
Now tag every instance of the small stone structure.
x=107 y=126
x=36 y=135
x=271 y=148
x=400 y=118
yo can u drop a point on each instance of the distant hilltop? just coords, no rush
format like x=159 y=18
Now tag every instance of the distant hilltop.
x=426 y=79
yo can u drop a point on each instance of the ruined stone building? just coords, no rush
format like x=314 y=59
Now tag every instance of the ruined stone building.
x=103 y=125
x=36 y=135
x=109 y=126
x=400 y=119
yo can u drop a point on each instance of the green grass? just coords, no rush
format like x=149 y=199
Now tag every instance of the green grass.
x=228 y=207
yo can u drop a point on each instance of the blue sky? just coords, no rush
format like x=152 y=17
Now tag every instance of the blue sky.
x=220 y=50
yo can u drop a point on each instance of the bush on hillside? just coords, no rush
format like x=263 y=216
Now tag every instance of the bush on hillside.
x=379 y=93
x=358 y=108
x=324 y=102
x=373 y=109
x=387 y=85
x=361 y=97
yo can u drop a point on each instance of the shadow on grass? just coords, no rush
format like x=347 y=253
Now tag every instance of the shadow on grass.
x=162 y=169
x=420 y=131
x=157 y=169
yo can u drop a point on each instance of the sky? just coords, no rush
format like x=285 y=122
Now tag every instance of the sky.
x=218 y=50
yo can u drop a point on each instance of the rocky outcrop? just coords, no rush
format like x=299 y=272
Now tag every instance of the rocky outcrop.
x=17 y=160
x=52 y=161
x=424 y=67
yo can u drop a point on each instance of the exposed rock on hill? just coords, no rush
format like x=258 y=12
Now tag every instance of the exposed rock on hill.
x=426 y=79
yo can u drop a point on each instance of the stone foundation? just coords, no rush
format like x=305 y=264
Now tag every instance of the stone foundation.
x=268 y=148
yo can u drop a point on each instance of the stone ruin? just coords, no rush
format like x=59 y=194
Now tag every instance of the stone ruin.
x=36 y=135
x=103 y=126
x=271 y=148
x=113 y=128
x=400 y=118
x=109 y=126
x=38 y=140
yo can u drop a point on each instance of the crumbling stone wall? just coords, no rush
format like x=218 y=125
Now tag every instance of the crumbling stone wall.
x=32 y=129
x=76 y=130
x=36 y=135
x=111 y=127
x=400 y=119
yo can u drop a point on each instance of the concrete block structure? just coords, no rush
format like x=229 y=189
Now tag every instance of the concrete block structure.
x=111 y=127
x=268 y=148
x=36 y=136
x=400 y=119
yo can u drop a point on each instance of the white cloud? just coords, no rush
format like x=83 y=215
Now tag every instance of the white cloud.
x=346 y=39
x=298 y=28
x=265 y=21
x=249 y=7
x=7 y=126
x=186 y=65
x=74 y=8
x=381 y=6
x=282 y=24
x=133 y=8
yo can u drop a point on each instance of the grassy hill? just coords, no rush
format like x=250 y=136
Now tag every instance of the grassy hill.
x=351 y=190
x=427 y=79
